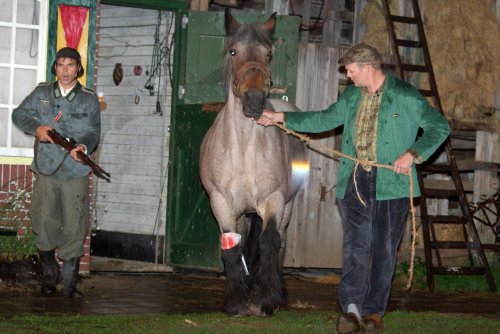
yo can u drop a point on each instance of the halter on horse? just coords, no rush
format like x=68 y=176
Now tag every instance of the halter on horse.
x=246 y=170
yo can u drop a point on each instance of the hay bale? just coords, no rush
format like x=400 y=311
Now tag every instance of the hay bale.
x=376 y=29
x=464 y=43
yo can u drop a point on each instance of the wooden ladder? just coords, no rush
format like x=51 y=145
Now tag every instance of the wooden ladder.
x=471 y=241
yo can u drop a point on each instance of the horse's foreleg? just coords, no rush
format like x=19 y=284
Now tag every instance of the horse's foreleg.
x=269 y=294
x=237 y=292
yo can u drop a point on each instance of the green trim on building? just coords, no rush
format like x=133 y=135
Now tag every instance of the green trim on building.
x=150 y=4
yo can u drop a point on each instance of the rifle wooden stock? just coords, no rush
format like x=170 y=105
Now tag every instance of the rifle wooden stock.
x=69 y=145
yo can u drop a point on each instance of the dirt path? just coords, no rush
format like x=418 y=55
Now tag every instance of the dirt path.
x=189 y=293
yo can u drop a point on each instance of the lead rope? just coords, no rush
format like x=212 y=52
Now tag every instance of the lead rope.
x=332 y=152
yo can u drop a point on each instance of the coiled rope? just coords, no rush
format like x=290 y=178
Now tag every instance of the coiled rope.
x=332 y=153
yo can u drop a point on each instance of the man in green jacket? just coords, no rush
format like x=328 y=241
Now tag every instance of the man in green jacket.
x=381 y=116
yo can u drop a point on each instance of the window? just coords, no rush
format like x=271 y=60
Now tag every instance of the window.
x=23 y=25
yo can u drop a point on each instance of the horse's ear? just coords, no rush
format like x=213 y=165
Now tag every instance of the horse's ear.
x=269 y=25
x=231 y=24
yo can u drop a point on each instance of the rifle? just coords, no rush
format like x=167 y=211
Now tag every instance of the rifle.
x=70 y=145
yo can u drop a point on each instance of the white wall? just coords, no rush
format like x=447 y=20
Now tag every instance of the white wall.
x=134 y=140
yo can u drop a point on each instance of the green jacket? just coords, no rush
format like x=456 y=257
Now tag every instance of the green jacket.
x=403 y=110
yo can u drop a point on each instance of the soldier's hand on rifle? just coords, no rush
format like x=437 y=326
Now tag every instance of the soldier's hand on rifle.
x=42 y=135
x=79 y=148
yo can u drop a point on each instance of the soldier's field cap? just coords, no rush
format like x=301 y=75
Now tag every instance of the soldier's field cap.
x=68 y=52
x=361 y=53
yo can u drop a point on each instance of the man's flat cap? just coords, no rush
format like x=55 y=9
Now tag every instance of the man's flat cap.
x=361 y=53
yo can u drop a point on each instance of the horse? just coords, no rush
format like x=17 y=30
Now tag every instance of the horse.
x=246 y=170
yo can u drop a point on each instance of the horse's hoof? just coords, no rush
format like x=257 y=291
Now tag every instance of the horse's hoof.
x=262 y=311
x=236 y=309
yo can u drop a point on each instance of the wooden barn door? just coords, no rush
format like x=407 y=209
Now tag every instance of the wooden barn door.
x=192 y=232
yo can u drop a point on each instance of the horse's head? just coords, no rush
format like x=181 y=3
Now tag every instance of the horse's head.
x=248 y=53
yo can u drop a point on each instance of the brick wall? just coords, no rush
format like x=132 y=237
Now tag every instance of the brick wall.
x=15 y=179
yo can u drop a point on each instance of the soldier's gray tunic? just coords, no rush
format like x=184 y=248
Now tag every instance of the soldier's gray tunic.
x=60 y=207
x=80 y=119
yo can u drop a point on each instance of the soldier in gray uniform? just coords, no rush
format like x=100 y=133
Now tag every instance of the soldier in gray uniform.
x=60 y=204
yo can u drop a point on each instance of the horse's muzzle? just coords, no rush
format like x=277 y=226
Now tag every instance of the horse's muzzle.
x=253 y=102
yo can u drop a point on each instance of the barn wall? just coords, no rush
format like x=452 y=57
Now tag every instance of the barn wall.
x=314 y=236
x=134 y=140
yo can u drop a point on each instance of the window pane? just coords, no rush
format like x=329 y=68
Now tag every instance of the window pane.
x=4 y=119
x=4 y=92
x=27 y=11
x=26 y=46
x=6 y=12
x=24 y=83
x=5 y=44
x=20 y=139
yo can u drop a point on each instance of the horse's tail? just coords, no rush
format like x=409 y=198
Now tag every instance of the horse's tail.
x=251 y=250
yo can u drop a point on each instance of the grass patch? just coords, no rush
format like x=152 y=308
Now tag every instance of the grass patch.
x=288 y=322
x=450 y=283
x=17 y=241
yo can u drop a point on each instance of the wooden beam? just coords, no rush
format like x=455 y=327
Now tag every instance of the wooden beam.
x=489 y=125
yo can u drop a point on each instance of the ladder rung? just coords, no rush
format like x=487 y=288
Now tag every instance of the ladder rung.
x=439 y=219
x=452 y=245
x=403 y=19
x=459 y=270
x=491 y=247
x=440 y=193
x=436 y=168
x=408 y=43
x=446 y=185
x=426 y=92
x=415 y=68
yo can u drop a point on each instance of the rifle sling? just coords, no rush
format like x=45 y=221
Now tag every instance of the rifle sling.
x=35 y=158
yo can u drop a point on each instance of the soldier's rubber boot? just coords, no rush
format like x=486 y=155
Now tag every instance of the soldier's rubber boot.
x=69 y=275
x=49 y=272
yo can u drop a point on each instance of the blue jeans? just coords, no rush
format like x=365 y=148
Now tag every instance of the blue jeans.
x=371 y=238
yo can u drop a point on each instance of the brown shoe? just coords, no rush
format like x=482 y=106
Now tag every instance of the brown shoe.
x=373 y=323
x=349 y=323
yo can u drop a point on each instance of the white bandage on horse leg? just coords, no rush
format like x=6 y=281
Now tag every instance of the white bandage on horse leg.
x=229 y=240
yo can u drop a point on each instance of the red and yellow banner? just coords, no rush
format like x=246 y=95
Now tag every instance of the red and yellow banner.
x=73 y=31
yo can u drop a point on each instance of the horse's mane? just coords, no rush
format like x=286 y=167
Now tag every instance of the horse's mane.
x=249 y=33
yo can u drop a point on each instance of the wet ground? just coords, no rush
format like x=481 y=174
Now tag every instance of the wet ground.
x=189 y=292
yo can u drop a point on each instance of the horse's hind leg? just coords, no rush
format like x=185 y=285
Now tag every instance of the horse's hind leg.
x=268 y=293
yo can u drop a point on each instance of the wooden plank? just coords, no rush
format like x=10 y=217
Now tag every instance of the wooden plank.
x=314 y=236
x=486 y=182
x=447 y=184
x=488 y=125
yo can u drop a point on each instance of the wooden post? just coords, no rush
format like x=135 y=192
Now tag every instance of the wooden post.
x=306 y=22
x=279 y=6
x=485 y=182
x=200 y=5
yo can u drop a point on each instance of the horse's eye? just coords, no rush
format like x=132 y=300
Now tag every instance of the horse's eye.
x=269 y=55
x=232 y=52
